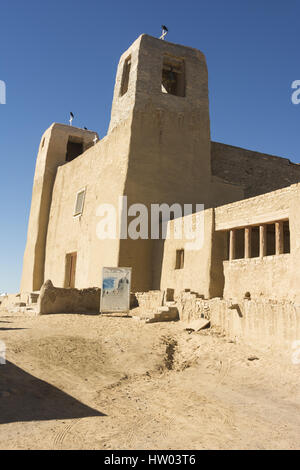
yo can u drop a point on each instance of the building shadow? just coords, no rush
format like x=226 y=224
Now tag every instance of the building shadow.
x=116 y=315
x=24 y=397
x=3 y=328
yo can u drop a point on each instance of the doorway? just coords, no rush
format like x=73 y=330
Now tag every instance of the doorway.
x=71 y=259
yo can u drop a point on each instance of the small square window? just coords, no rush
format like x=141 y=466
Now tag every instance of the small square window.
x=79 y=202
x=74 y=149
x=179 y=259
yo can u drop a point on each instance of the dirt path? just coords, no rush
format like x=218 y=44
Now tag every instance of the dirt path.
x=92 y=382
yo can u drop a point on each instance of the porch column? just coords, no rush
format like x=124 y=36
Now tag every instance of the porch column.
x=232 y=245
x=279 y=237
x=262 y=240
x=248 y=242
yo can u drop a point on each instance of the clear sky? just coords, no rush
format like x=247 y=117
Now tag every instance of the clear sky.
x=61 y=55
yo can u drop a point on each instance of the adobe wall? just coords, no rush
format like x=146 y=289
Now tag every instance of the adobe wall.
x=51 y=154
x=267 y=207
x=195 y=275
x=261 y=322
x=258 y=321
x=268 y=277
x=271 y=277
x=256 y=172
x=57 y=300
x=102 y=171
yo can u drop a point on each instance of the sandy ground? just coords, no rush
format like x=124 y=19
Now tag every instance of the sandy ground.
x=107 y=382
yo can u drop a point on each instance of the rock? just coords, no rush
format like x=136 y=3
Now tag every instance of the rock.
x=197 y=325
x=253 y=358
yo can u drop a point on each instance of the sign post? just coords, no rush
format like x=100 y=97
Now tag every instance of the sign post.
x=115 y=292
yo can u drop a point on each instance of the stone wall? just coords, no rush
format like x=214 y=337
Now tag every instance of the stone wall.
x=191 y=307
x=256 y=172
x=58 y=300
x=150 y=300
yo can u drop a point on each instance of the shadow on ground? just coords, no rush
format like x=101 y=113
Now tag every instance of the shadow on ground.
x=8 y=329
x=24 y=397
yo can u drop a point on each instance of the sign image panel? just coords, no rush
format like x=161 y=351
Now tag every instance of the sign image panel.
x=115 y=292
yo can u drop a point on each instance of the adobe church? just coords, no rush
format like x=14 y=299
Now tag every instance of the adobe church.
x=158 y=150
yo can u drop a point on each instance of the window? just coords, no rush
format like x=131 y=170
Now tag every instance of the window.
x=254 y=252
x=271 y=247
x=125 y=76
x=74 y=149
x=173 y=76
x=286 y=237
x=79 y=202
x=268 y=239
x=179 y=259
x=239 y=243
x=43 y=142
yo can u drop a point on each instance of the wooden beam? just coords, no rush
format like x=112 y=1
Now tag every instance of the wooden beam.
x=232 y=245
x=248 y=232
x=279 y=237
x=262 y=240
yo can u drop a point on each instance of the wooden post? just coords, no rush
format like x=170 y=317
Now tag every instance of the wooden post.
x=248 y=242
x=232 y=245
x=262 y=240
x=279 y=237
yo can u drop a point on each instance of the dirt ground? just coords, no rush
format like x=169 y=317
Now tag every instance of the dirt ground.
x=109 y=382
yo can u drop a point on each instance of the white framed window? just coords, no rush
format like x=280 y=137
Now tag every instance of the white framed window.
x=79 y=203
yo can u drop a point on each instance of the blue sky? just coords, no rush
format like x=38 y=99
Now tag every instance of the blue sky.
x=61 y=55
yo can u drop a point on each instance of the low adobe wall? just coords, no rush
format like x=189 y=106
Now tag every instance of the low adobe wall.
x=150 y=300
x=58 y=300
x=267 y=277
x=257 y=321
x=191 y=306
x=265 y=322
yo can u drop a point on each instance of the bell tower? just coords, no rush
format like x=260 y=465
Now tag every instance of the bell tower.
x=59 y=144
x=161 y=95
x=163 y=88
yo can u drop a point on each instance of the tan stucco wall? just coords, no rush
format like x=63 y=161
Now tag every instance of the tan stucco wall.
x=273 y=277
x=258 y=321
x=51 y=154
x=205 y=271
x=102 y=171
x=268 y=277
x=195 y=274
x=58 y=300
